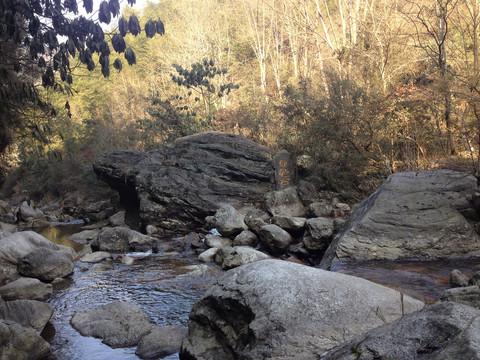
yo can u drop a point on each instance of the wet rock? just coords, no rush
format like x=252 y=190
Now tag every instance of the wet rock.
x=465 y=295
x=231 y=257
x=228 y=221
x=283 y=310
x=26 y=288
x=284 y=202
x=440 y=331
x=457 y=278
x=45 y=264
x=18 y=342
x=28 y=313
x=100 y=210
x=246 y=238
x=275 y=238
x=289 y=223
x=20 y=244
x=412 y=215
x=215 y=241
x=318 y=234
x=96 y=257
x=84 y=237
x=121 y=239
x=118 y=324
x=199 y=173
x=208 y=255
x=160 y=342
x=127 y=260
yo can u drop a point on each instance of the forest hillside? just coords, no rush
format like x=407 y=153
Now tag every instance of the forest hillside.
x=364 y=87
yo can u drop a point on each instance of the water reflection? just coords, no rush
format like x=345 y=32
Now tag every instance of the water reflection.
x=60 y=233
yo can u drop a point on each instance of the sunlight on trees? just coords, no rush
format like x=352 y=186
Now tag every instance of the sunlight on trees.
x=366 y=87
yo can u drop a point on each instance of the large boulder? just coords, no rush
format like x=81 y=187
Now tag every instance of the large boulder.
x=45 y=264
x=282 y=310
x=20 y=244
x=412 y=215
x=118 y=324
x=176 y=187
x=228 y=221
x=443 y=331
x=22 y=343
x=160 y=342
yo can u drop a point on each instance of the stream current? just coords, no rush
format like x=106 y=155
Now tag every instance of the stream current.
x=167 y=285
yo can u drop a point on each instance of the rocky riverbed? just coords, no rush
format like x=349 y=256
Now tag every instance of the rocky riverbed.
x=133 y=290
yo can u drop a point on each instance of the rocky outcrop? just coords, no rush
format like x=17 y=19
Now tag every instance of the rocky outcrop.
x=176 y=187
x=412 y=215
x=282 y=310
x=443 y=331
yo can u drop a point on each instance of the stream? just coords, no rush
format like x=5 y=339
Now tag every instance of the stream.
x=166 y=285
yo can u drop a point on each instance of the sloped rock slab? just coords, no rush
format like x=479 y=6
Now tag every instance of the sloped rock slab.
x=443 y=331
x=412 y=215
x=178 y=186
x=282 y=310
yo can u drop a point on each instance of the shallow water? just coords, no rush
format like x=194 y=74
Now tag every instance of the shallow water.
x=424 y=280
x=163 y=285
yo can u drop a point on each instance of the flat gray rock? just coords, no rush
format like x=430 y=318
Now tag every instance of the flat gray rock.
x=160 y=342
x=28 y=313
x=118 y=324
x=26 y=288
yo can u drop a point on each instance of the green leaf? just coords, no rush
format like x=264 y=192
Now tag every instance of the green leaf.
x=150 y=29
x=123 y=26
x=130 y=56
x=114 y=7
x=33 y=26
x=118 y=43
x=88 y=5
x=160 y=27
x=134 y=25
x=104 y=14
x=131 y=2
x=117 y=64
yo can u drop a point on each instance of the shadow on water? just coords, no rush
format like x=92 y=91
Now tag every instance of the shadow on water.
x=160 y=285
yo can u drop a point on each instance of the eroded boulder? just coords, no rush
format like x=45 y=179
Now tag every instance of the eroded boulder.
x=161 y=341
x=176 y=187
x=282 y=310
x=121 y=239
x=26 y=288
x=412 y=215
x=45 y=264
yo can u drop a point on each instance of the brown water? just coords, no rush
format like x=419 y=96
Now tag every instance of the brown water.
x=424 y=280
x=163 y=285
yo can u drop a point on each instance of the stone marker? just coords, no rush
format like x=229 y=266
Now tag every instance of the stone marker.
x=284 y=172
